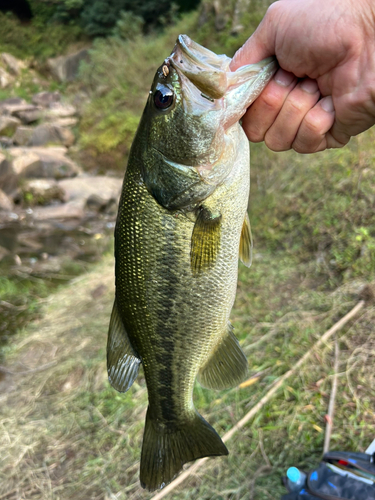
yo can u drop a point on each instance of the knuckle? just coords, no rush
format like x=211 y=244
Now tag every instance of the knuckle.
x=271 y=100
x=274 y=144
x=302 y=148
x=253 y=134
x=253 y=129
x=296 y=106
x=273 y=10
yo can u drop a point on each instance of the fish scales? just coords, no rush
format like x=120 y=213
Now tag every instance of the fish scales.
x=177 y=244
x=159 y=293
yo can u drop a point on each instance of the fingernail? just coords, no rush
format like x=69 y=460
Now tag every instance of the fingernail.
x=284 y=78
x=327 y=104
x=309 y=86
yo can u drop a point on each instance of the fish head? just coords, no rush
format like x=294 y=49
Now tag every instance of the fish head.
x=193 y=105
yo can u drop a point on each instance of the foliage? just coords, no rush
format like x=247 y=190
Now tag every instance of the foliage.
x=38 y=40
x=128 y=26
x=99 y=17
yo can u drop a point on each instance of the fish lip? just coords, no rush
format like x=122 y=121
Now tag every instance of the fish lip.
x=267 y=67
x=210 y=72
x=207 y=58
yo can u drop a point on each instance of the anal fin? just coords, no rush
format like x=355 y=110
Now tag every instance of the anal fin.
x=122 y=361
x=205 y=240
x=246 y=242
x=227 y=366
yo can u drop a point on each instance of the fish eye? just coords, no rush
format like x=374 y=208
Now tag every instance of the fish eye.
x=163 y=97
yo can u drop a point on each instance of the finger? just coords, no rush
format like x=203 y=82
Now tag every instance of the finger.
x=263 y=112
x=261 y=44
x=283 y=131
x=338 y=136
x=311 y=135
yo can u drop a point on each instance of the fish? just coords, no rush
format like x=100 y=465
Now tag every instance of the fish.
x=182 y=225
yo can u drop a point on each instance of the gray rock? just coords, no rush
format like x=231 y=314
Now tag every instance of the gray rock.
x=12 y=100
x=42 y=191
x=6 y=203
x=27 y=165
x=70 y=210
x=65 y=68
x=58 y=110
x=100 y=190
x=45 y=99
x=96 y=203
x=65 y=122
x=6 y=142
x=30 y=116
x=23 y=135
x=5 y=78
x=8 y=178
x=57 y=165
x=8 y=125
x=13 y=109
x=14 y=66
x=50 y=133
x=52 y=162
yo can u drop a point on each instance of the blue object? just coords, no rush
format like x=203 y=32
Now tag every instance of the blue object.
x=296 y=479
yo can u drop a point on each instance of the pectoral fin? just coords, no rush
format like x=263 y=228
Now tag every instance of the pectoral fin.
x=246 y=242
x=227 y=365
x=122 y=361
x=205 y=240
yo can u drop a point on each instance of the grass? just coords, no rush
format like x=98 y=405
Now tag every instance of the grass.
x=67 y=434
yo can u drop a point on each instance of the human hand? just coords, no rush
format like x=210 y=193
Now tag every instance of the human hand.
x=324 y=91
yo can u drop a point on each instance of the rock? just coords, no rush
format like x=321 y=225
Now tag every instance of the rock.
x=57 y=164
x=65 y=68
x=27 y=113
x=8 y=125
x=8 y=178
x=14 y=66
x=98 y=204
x=27 y=165
x=12 y=100
x=58 y=110
x=5 y=78
x=70 y=210
x=23 y=135
x=45 y=99
x=6 y=203
x=50 y=133
x=42 y=192
x=83 y=187
x=53 y=162
x=6 y=142
x=65 y=122
x=29 y=116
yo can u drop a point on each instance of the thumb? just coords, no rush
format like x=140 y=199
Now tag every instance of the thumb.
x=260 y=45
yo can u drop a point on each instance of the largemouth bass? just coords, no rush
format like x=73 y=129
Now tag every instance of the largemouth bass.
x=182 y=225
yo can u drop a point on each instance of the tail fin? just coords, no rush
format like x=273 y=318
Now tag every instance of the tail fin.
x=165 y=453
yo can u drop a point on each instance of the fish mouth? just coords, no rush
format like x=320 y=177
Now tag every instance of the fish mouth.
x=210 y=72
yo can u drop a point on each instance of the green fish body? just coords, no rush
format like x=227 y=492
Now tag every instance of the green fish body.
x=181 y=227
